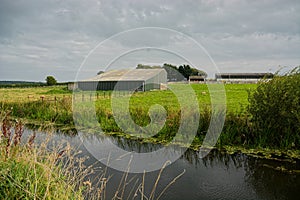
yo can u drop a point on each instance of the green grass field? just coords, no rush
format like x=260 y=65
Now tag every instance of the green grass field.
x=236 y=97
x=53 y=106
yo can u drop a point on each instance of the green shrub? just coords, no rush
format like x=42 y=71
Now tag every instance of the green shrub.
x=275 y=110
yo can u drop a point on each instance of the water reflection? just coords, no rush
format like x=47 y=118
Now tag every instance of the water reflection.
x=217 y=176
x=264 y=177
x=215 y=157
x=269 y=181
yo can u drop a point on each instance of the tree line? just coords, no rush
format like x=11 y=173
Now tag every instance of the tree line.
x=174 y=73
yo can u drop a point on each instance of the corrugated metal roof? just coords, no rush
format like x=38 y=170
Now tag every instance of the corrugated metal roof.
x=243 y=74
x=126 y=75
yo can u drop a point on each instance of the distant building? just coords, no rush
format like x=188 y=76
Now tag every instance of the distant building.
x=196 y=79
x=72 y=86
x=242 y=77
x=135 y=79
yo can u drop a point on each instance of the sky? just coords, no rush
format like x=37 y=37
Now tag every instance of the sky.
x=74 y=39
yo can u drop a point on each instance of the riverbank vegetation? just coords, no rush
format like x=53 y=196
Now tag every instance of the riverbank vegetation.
x=31 y=172
x=34 y=169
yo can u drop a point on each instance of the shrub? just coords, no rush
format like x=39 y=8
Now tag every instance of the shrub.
x=275 y=107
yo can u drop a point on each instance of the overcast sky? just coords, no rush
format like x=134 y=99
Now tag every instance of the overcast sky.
x=53 y=37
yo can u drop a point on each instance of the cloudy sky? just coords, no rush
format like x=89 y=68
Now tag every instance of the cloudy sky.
x=56 y=37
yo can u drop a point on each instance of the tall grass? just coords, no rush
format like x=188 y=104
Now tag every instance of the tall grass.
x=30 y=172
x=58 y=111
x=275 y=111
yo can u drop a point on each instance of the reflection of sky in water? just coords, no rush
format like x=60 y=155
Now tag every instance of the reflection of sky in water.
x=217 y=176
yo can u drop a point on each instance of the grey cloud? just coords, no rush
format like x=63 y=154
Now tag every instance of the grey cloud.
x=39 y=35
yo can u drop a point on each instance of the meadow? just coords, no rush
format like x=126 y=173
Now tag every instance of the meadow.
x=236 y=95
x=52 y=106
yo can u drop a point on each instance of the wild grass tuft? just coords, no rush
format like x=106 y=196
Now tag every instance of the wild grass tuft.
x=31 y=172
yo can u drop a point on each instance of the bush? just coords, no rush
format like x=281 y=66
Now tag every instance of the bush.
x=275 y=110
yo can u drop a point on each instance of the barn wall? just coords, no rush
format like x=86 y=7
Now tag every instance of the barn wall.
x=156 y=81
x=129 y=85
x=106 y=85
x=110 y=85
x=87 y=85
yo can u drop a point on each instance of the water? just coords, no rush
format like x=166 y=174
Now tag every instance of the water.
x=217 y=176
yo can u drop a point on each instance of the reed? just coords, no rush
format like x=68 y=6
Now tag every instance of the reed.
x=31 y=172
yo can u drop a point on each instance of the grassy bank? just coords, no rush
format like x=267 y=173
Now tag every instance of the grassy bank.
x=53 y=105
x=31 y=172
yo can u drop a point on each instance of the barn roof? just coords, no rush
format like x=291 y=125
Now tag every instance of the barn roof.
x=126 y=75
x=248 y=75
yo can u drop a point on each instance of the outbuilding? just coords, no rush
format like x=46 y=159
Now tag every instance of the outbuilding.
x=196 y=79
x=242 y=77
x=126 y=79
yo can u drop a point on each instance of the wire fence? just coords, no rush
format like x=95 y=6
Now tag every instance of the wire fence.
x=78 y=96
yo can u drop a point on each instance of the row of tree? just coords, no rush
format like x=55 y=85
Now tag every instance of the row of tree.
x=175 y=73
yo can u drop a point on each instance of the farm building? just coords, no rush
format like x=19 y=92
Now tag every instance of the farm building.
x=125 y=79
x=242 y=77
x=196 y=79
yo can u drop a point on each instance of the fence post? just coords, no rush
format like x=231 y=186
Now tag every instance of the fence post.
x=82 y=97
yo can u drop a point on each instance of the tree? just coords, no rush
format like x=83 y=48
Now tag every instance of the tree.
x=187 y=71
x=142 y=66
x=172 y=72
x=100 y=72
x=51 y=80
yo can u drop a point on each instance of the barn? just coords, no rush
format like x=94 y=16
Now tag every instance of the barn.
x=196 y=79
x=242 y=77
x=126 y=79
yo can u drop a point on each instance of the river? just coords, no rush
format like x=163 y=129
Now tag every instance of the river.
x=217 y=176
